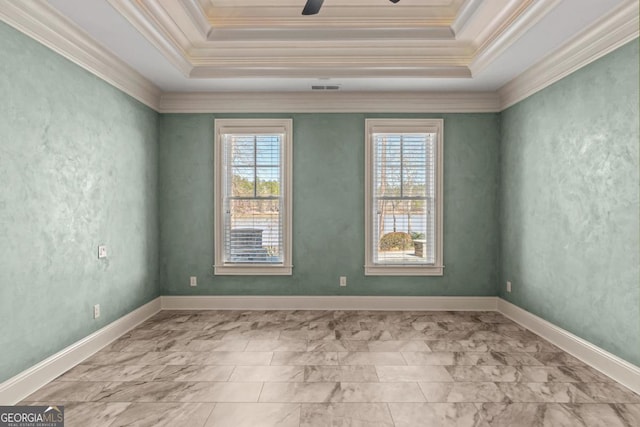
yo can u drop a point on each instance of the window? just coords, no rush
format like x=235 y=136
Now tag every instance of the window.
x=403 y=193
x=253 y=196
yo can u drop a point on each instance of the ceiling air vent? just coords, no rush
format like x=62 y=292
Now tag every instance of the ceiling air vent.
x=330 y=87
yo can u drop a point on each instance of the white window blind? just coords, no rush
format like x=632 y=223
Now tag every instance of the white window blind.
x=404 y=197
x=253 y=203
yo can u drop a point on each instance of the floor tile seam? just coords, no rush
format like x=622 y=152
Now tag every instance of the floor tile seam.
x=391 y=414
x=206 y=421
x=231 y=373
x=421 y=391
x=375 y=369
x=406 y=362
x=260 y=393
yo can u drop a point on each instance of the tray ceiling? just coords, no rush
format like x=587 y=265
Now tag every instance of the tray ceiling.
x=350 y=38
x=360 y=45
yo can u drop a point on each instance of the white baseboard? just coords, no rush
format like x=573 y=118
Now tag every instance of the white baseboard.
x=418 y=303
x=612 y=366
x=20 y=386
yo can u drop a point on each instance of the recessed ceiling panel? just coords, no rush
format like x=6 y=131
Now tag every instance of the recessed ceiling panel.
x=351 y=38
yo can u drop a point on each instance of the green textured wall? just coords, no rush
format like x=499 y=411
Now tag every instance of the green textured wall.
x=78 y=167
x=328 y=206
x=569 y=203
x=80 y=164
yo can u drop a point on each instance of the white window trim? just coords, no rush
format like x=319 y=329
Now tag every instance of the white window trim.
x=253 y=126
x=403 y=126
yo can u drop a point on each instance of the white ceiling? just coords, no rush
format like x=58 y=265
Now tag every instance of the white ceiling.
x=494 y=42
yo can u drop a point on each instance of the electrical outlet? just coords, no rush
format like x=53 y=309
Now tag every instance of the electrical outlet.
x=193 y=281
x=96 y=311
x=508 y=286
x=102 y=251
x=343 y=280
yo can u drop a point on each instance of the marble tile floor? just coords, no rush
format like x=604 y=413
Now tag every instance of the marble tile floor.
x=336 y=368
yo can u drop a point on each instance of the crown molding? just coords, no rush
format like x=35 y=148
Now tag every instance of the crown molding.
x=422 y=20
x=388 y=51
x=334 y=14
x=332 y=102
x=279 y=45
x=138 y=15
x=334 y=37
x=289 y=59
x=469 y=7
x=611 y=32
x=46 y=25
x=235 y=69
x=194 y=10
x=519 y=22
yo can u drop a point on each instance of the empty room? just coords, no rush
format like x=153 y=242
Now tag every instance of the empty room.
x=305 y=213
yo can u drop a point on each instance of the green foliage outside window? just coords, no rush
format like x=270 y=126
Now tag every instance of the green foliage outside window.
x=396 y=241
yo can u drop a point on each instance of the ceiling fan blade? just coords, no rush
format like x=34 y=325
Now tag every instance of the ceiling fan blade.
x=312 y=7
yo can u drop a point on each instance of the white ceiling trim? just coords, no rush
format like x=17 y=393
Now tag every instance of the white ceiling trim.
x=172 y=49
x=287 y=58
x=362 y=13
x=464 y=15
x=43 y=23
x=330 y=102
x=609 y=33
x=331 y=68
x=198 y=16
x=354 y=21
x=525 y=17
x=272 y=48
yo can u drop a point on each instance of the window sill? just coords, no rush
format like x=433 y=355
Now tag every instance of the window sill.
x=404 y=270
x=254 y=270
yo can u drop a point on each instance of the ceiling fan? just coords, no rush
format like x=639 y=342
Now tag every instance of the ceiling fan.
x=312 y=7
